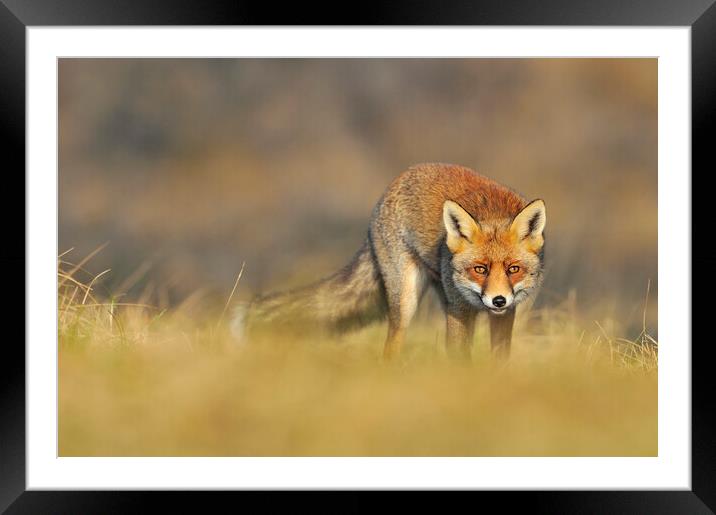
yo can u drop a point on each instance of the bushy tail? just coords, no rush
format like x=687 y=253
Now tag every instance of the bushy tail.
x=350 y=298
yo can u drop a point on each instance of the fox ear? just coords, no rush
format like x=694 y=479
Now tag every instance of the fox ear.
x=460 y=226
x=530 y=222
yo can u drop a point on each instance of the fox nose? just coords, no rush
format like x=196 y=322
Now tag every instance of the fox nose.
x=499 y=301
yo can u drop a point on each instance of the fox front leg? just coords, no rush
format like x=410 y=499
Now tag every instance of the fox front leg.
x=459 y=332
x=404 y=288
x=501 y=332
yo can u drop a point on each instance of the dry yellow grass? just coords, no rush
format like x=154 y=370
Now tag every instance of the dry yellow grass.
x=137 y=381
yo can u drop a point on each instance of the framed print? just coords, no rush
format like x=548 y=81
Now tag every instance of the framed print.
x=436 y=250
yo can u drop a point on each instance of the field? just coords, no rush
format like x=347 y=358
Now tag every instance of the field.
x=175 y=172
x=138 y=381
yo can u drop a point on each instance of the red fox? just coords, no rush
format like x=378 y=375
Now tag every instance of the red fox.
x=479 y=244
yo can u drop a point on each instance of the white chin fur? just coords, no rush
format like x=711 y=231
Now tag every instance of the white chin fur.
x=498 y=312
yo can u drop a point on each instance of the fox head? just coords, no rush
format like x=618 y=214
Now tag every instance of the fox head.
x=496 y=263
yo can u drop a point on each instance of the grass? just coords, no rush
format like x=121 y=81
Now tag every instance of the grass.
x=138 y=381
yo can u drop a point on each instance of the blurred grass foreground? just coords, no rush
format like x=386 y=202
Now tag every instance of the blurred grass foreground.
x=138 y=381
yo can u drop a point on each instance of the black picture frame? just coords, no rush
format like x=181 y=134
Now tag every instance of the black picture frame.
x=17 y=15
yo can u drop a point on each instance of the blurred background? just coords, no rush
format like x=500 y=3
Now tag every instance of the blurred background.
x=190 y=167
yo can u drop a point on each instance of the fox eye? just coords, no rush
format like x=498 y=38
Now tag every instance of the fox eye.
x=513 y=269
x=481 y=269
